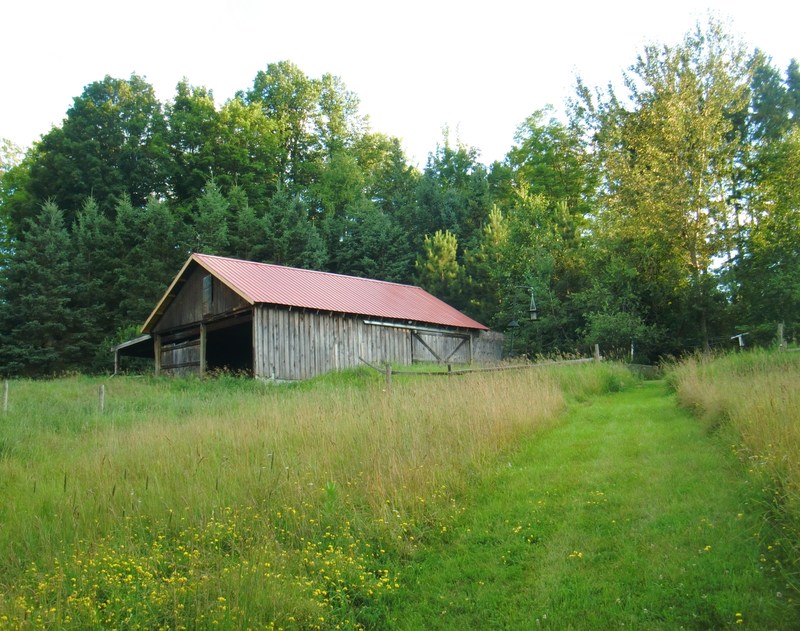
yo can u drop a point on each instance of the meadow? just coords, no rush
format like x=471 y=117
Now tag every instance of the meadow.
x=229 y=503
x=341 y=503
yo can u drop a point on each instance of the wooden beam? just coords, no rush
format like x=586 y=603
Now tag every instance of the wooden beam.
x=157 y=351
x=203 y=348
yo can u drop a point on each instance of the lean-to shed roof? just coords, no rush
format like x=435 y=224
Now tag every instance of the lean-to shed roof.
x=261 y=283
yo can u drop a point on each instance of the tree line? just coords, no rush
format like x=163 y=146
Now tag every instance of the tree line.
x=661 y=216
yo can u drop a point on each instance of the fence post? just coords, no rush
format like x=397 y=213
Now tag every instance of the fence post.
x=781 y=342
x=597 y=352
x=388 y=377
x=5 y=396
x=102 y=395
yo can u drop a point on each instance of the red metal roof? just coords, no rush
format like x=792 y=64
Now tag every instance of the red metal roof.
x=262 y=283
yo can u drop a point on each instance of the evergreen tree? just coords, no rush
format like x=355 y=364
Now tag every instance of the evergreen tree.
x=94 y=262
x=291 y=237
x=247 y=227
x=211 y=222
x=152 y=246
x=438 y=270
x=372 y=244
x=453 y=195
x=38 y=319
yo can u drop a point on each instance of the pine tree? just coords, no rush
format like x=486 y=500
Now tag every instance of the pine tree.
x=439 y=271
x=152 y=247
x=95 y=263
x=39 y=327
x=211 y=221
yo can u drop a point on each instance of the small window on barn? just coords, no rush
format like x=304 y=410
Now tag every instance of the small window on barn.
x=208 y=293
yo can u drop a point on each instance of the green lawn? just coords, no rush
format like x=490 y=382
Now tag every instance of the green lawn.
x=627 y=514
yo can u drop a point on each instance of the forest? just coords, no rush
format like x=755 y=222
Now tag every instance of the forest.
x=655 y=218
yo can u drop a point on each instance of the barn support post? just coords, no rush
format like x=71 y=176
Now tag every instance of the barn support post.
x=157 y=351
x=203 y=348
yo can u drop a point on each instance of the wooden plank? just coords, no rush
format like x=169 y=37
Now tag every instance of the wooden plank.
x=157 y=351
x=203 y=349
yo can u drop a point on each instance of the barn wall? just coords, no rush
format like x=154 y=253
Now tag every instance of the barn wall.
x=298 y=344
x=433 y=347
x=487 y=347
x=187 y=307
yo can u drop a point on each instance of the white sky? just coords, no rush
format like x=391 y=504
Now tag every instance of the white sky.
x=478 y=67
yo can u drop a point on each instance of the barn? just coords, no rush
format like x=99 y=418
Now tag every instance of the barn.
x=286 y=323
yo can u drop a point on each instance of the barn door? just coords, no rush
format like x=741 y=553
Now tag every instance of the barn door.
x=443 y=348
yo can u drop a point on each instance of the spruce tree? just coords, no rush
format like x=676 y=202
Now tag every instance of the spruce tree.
x=39 y=326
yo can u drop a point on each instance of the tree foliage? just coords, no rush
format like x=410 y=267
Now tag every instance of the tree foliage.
x=38 y=311
x=662 y=214
x=667 y=153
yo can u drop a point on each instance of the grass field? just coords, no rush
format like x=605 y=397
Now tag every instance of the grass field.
x=229 y=503
x=344 y=503
x=628 y=515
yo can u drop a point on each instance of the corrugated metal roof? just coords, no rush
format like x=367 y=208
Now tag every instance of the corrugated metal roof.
x=262 y=283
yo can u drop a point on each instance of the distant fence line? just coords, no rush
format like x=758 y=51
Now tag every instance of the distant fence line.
x=389 y=372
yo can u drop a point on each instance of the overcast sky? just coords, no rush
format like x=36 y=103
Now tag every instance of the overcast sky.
x=418 y=65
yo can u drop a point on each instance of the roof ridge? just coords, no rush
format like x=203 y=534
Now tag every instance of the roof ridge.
x=305 y=270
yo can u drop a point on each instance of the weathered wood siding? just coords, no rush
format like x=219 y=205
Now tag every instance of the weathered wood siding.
x=188 y=308
x=181 y=358
x=487 y=347
x=298 y=344
x=444 y=347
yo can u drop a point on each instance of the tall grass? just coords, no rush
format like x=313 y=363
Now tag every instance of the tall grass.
x=234 y=504
x=755 y=397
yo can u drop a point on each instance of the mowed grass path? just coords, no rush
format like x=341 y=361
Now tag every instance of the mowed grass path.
x=628 y=514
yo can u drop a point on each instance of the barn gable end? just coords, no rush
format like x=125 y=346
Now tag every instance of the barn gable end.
x=201 y=296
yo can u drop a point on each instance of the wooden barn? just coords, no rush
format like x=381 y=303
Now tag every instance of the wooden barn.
x=285 y=323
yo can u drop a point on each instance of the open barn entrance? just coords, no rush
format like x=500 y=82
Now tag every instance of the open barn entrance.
x=230 y=348
x=225 y=344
